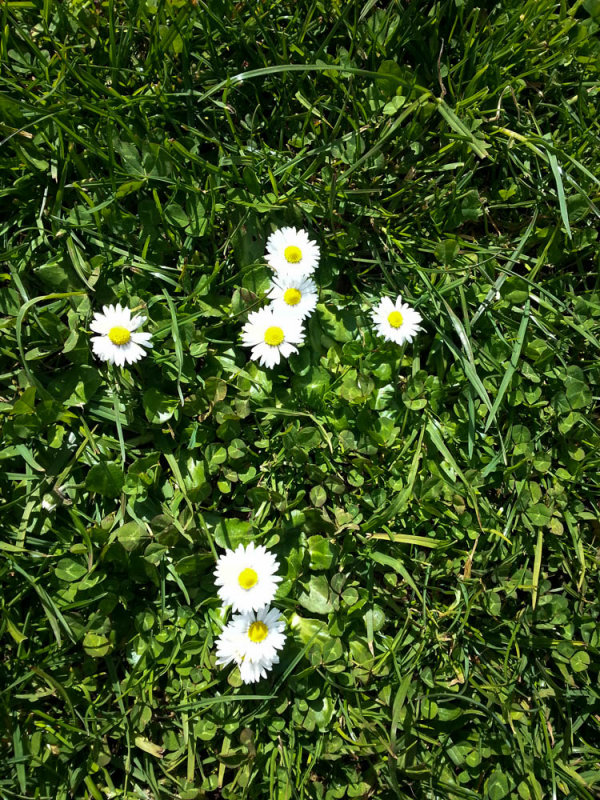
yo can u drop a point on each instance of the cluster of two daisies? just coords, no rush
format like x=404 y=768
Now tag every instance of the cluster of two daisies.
x=247 y=581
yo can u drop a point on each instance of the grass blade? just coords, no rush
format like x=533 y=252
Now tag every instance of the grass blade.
x=514 y=361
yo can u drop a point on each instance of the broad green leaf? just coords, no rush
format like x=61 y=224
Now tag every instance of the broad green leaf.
x=580 y=661
x=106 y=478
x=539 y=514
x=231 y=532
x=96 y=644
x=70 y=570
x=395 y=104
x=131 y=534
x=159 y=407
x=447 y=251
x=497 y=786
x=317 y=596
x=320 y=552
x=318 y=496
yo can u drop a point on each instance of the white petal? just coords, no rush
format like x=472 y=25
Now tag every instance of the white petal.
x=287 y=349
x=133 y=352
x=119 y=357
x=144 y=339
x=136 y=322
x=100 y=324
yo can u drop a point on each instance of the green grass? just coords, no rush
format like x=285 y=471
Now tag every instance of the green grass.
x=434 y=507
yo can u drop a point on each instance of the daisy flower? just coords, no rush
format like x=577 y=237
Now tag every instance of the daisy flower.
x=252 y=641
x=118 y=342
x=246 y=577
x=397 y=322
x=289 y=248
x=291 y=293
x=272 y=335
x=230 y=648
x=262 y=634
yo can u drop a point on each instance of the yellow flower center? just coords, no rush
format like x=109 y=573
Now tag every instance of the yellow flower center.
x=292 y=254
x=247 y=578
x=119 y=335
x=257 y=631
x=292 y=296
x=395 y=319
x=274 y=336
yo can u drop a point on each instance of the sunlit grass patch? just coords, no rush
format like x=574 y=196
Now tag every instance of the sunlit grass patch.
x=431 y=501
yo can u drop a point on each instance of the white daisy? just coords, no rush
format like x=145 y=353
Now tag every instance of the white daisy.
x=272 y=335
x=231 y=648
x=262 y=634
x=291 y=293
x=246 y=577
x=118 y=343
x=289 y=248
x=252 y=641
x=397 y=322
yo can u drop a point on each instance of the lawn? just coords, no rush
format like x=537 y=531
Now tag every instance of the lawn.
x=432 y=504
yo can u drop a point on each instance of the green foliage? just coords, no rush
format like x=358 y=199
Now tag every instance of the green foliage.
x=434 y=508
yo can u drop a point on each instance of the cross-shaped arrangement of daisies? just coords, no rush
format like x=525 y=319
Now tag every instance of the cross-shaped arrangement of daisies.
x=246 y=577
x=272 y=332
